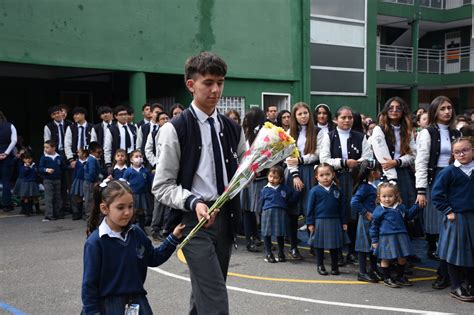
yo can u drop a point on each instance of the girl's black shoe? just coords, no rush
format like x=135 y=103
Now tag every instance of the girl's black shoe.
x=365 y=277
x=295 y=254
x=270 y=259
x=377 y=275
x=390 y=283
x=335 y=271
x=462 y=295
x=322 y=271
x=440 y=283
x=281 y=257
x=251 y=247
x=403 y=281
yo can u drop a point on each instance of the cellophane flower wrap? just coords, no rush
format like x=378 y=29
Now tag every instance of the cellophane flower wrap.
x=271 y=146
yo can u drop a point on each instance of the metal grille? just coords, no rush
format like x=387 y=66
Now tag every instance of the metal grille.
x=232 y=102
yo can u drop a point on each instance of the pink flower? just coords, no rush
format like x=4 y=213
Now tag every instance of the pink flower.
x=266 y=139
x=247 y=153
x=254 y=167
x=267 y=153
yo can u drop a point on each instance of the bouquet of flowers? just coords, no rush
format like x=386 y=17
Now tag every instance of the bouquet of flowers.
x=271 y=146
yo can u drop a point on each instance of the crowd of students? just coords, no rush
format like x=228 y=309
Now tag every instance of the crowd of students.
x=363 y=186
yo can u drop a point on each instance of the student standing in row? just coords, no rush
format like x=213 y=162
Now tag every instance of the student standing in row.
x=8 y=138
x=98 y=130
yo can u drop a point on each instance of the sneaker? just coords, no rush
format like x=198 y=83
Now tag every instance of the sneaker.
x=281 y=258
x=390 y=283
x=295 y=254
x=462 y=295
x=365 y=277
x=270 y=259
x=440 y=283
x=403 y=281
x=322 y=270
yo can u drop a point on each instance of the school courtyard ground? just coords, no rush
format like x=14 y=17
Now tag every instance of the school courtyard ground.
x=41 y=273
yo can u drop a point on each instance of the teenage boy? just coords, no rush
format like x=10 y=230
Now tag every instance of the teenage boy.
x=78 y=135
x=143 y=132
x=98 y=130
x=147 y=115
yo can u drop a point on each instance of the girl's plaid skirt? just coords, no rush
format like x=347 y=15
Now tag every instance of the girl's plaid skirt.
x=328 y=234
x=393 y=246
x=254 y=193
x=26 y=189
x=456 y=240
x=432 y=218
x=363 y=243
x=306 y=172
x=77 y=187
x=140 y=201
x=274 y=222
x=406 y=185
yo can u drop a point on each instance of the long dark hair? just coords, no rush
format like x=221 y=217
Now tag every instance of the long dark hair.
x=107 y=194
x=405 y=124
x=434 y=108
x=280 y=117
x=328 y=111
x=253 y=121
x=310 y=145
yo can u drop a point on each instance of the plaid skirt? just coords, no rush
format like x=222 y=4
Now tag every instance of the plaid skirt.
x=255 y=187
x=393 y=246
x=432 y=218
x=274 y=222
x=328 y=234
x=456 y=240
x=406 y=185
x=363 y=242
x=26 y=189
x=77 y=187
x=345 y=186
x=140 y=201
x=306 y=172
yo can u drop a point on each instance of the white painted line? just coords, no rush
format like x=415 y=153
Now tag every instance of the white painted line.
x=301 y=299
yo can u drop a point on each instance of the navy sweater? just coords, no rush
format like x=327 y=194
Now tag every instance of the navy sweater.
x=92 y=170
x=27 y=173
x=140 y=181
x=323 y=204
x=79 y=170
x=118 y=173
x=277 y=198
x=453 y=191
x=113 y=267
x=56 y=164
x=386 y=221
x=364 y=199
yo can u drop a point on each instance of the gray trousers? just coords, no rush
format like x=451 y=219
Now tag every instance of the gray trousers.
x=88 y=198
x=208 y=255
x=158 y=219
x=52 y=197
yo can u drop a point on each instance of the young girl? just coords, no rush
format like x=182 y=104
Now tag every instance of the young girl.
x=433 y=148
x=92 y=176
x=389 y=235
x=301 y=170
x=77 y=187
x=323 y=118
x=117 y=254
x=363 y=202
x=325 y=218
x=140 y=180
x=120 y=165
x=344 y=149
x=452 y=195
x=28 y=186
x=274 y=199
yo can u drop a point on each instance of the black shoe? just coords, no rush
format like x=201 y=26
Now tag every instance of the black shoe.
x=46 y=219
x=365 y=277
x=432 y=255
x=376 y=275
x=350 y=259
x=390 y=283
x=440 y=283
x=270 y=259
x=295 y=254
x=281 y=257
x=462 y=295
x=322 y=271
x=403 y=281
x=335 y=271
x=251 y=247
x=311 y=252
x=256 y=241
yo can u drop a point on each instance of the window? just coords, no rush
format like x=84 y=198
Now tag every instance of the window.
x=232 y=102
x=353 y=9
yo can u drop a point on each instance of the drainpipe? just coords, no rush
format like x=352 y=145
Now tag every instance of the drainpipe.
x=137 y=92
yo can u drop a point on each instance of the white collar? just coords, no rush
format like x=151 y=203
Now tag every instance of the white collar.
x=106 y=124
x=121 y=125
x=32 y=164
x=51 y=156
x=83 y=125
x=327 y=188
x=136 y=169
x=344 y=132
x=117 y=167
x=82 y=161
x=323 y=126
x=104 y=229
x=59 y=123
x=372 y=184
x=397 y=128
x=92 y=156
x=393 y=207
x=273 y=187
x=466 y=168
x=202 y=116
x=442 y=126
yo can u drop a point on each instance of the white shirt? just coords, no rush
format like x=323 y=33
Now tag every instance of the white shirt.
x=47 y=134
x=122 y=137
x=301 y=143
x=104 y=229
x=13 y=140
x=466 y=168
x=343 y=137
x=271 y=186
x=205 y=178
x=324 y=128
x=445 y=149
x=396 y=132
x=68 y=149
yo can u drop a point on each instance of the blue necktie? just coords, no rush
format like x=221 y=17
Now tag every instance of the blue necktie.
x=153 y=135
x=128 y=141
x=81 y=137
x=61 y=137
x=216 y=150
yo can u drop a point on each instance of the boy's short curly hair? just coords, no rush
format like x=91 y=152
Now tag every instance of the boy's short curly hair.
x=204 y=63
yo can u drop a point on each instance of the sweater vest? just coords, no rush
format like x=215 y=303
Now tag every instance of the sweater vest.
x=5 y=136
x=99 y=131
x=114 y=130
x=54 y=131
x=354 y=145
x=75 y=136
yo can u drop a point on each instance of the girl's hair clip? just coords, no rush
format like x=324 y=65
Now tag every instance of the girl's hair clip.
x=104 y=183
x=124 y=181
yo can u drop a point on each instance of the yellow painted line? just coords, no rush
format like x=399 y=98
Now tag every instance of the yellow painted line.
x=425 y=269
x=182 y=259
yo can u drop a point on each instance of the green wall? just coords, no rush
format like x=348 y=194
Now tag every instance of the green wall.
x=258 y=39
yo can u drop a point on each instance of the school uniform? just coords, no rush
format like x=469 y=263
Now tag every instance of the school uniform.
x=142 y=136
x=115 y=268
x=98 y=132
x=325 y=213
x=274 y=204
x=363 y=201
x=27 y=181
x=119 y=136
x=140 y=182
x=52 y=183
x=389 y=232
x=92 y=175
x=78 y=136
x=8 y=139
x=452 y=193
x=151 y=150
x=77 y=187
x=119 y=171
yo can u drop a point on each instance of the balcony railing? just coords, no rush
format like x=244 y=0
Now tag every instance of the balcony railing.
x=435 y=4
x=394 y=58
x=437 y=61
